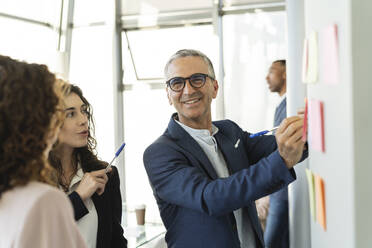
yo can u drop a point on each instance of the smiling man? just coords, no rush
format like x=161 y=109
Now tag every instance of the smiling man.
x=207 y=174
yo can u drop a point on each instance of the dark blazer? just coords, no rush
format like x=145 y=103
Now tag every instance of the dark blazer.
x=109 y=210
x=277 y=222
x=195 y=205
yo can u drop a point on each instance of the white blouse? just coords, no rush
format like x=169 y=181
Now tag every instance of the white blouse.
x=88 y=224
x=37 y=215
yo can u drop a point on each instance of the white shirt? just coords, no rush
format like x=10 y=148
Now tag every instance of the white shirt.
x=209 y=145
x=88 y=224
x=281 y=98
x=37 y=215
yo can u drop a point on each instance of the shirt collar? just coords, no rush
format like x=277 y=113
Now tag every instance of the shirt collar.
x=198 y=132
x=281 y=98
x=78 y=176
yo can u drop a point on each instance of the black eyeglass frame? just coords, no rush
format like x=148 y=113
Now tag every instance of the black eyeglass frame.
x=190 y=81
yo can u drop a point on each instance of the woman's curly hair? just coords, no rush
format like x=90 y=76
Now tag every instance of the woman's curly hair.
x=86 y=155
x=29 y=102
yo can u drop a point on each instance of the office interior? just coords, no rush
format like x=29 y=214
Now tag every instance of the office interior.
x=116 y=50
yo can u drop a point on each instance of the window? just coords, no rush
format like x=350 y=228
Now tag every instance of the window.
x=152 y=48
x=28 y=42
x=146 y=108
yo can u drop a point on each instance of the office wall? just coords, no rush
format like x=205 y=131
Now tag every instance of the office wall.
x=347 y=117
x=362 y=103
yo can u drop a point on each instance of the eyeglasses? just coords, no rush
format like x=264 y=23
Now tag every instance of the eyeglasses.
x=196 y=80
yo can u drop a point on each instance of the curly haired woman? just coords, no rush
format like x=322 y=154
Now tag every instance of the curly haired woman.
x=32 y=213
x=95 y=195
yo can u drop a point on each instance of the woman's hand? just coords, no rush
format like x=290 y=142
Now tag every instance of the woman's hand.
x=91 y=182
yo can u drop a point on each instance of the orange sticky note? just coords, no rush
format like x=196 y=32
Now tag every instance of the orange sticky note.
x=329 y=53
x=320 y=201
x=316 y=125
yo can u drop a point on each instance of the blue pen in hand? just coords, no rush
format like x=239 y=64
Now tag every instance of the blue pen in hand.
x=116 y=155
x=262 y=132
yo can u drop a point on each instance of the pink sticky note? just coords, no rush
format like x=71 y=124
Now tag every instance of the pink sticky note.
x=316 y=125
x=304 y=128
x=330 y=63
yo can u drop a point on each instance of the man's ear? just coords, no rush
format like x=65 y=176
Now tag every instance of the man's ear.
x=284 y=75
x=215 y=87
x=169 y=99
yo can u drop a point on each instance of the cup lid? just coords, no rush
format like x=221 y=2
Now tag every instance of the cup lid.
x=140 y=206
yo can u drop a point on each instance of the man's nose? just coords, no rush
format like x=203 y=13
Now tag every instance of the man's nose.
x=188 y=89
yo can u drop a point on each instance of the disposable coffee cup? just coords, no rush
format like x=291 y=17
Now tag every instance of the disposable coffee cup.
x=140 y=214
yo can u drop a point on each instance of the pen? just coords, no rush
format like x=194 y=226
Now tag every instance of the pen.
x=263 y=132
x=116 y=155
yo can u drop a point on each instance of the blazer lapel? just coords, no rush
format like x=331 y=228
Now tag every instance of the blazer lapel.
x=230 y=150
x=184 y=140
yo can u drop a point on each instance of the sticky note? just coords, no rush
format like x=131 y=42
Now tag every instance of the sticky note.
x=316 y=125
x=320 y=201
x=312 y=59
x=329 y=55
x=310 y=183
x=304 y=128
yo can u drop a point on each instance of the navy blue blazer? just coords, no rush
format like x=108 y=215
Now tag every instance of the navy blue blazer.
x=195 y=205
x=277 y=223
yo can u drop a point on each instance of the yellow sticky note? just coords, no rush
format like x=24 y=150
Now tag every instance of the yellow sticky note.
x=312 y=59
x=305 y=60
x=310 y=183
x=320 y=201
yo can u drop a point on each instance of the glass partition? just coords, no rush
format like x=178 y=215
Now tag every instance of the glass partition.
x=252 y=42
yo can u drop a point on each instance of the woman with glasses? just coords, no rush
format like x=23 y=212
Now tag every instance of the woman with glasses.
x=95 y=195
x=32 y=213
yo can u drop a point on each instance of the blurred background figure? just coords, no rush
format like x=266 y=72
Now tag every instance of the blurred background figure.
x=273 y=210
x=32 y=213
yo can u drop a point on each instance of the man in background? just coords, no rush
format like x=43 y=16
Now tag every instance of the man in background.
x=273 y=210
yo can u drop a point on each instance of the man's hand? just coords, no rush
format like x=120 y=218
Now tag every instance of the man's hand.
x=288 y=137
x=91 y=182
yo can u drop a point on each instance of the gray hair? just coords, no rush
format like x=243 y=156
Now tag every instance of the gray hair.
x=190 y=52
